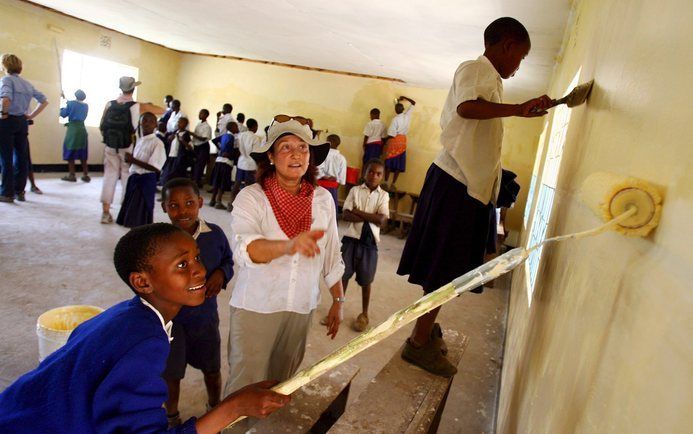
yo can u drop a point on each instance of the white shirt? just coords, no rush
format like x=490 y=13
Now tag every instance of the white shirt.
x=223 y=121
x=149 y=149
x=472 y=148
x=241 y=127
x=375 y=130
x=334 y=166
x=203 y=130
x=175 y=144
x=245 y=142
x=167 y=326
x=374 y=202
x=400 y=123
x=172 y=124
x=288 y=283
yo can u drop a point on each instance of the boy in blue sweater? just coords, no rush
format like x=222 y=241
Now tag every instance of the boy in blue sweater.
x=196 y=339
x=107 y=377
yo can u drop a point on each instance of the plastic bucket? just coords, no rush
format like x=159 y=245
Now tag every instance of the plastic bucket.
x=352 y=175
x=53 y=327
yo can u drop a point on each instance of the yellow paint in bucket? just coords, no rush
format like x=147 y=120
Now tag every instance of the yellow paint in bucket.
x=53 y=327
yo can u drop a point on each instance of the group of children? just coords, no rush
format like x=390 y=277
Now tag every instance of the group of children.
x=111 y=366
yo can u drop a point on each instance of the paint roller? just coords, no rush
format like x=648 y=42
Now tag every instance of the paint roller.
x=629 y=205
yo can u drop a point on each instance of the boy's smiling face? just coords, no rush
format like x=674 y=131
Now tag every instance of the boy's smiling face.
x=183 y=208
x=175 y=278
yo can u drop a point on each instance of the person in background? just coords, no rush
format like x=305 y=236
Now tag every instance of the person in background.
x=168 y=99
x=224 y=119
x=145 y=162
x=366 y=208
x=246 y=167
x=200 y=142
x=240 y=119
x=175 y=114
x=332 y=172
x=182 y=155
x=221 y=174
x=76 y=144
x=395 y=151
x=373 y=134
x=15 y=96
x=118 y=125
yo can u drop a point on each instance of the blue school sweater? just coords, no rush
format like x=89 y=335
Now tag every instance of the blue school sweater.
x=215 y=252
x=106 y=379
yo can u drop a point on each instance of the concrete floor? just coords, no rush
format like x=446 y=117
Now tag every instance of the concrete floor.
x=54 y=252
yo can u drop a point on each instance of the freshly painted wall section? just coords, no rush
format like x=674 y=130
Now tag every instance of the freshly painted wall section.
x=606 y=346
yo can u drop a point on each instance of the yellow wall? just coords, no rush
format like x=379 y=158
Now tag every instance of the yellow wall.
x=24 y=32
x=337 y=103
x=606 y=345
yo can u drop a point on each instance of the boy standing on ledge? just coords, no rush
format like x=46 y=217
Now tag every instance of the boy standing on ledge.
x=451 y=226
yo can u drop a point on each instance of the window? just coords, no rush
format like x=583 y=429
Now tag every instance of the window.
x=547 y=189
x=98 y=78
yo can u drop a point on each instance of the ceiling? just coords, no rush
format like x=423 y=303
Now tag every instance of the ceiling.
x=419 y=42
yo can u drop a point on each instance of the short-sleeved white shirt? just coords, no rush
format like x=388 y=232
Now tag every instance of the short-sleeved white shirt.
x=203 y=130
x=288 y=283
x=246 y=141
x=472 y=148
x=373 y=202
x=334 y=166
x=172 y=124
x=374 y=130
x=400 y=123
x=149 y=149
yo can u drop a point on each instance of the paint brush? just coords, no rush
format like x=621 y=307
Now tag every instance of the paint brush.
x=576 y=96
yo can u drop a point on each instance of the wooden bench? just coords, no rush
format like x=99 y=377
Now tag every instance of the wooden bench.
x=402 y=398
x=313 y=408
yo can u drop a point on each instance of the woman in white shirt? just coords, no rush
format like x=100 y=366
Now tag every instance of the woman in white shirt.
x=285 y=241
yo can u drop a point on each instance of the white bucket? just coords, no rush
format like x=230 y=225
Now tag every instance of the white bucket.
x=53 y=327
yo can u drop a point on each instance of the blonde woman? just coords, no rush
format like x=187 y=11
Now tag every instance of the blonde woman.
x=15 y=96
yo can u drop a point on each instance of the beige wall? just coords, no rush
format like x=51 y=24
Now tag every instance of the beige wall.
x=606 y=345
x=24 y=31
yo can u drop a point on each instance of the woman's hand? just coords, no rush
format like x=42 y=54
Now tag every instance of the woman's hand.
x=334 y=318
x=305 y=243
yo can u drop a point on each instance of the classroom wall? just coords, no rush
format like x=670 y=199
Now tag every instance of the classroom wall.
x=605 y=346
x=24 y=32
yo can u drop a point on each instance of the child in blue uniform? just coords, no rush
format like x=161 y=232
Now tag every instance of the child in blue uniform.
x=196 y=339
x=107 y=377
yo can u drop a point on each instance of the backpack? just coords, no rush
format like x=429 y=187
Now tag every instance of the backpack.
x=116 y=125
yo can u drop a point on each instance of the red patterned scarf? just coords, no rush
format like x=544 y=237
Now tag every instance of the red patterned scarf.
x=294 y=213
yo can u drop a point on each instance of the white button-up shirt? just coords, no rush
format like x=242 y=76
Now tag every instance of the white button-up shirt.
x=472 y=148
x=149 y=149
x=203 y=130
x=172 y=124
x=288 y=283
x=400 y=123
x=334 y=166
x=375 y=131
x=373 y=202
x=246 y=141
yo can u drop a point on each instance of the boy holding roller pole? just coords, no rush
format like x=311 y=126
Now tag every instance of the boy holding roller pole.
x=451 y=227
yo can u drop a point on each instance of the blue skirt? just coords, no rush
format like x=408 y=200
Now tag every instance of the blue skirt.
x=138 y=205
x=449 y=234
x=221 y=176
x=397 y=164
x=372 y=150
